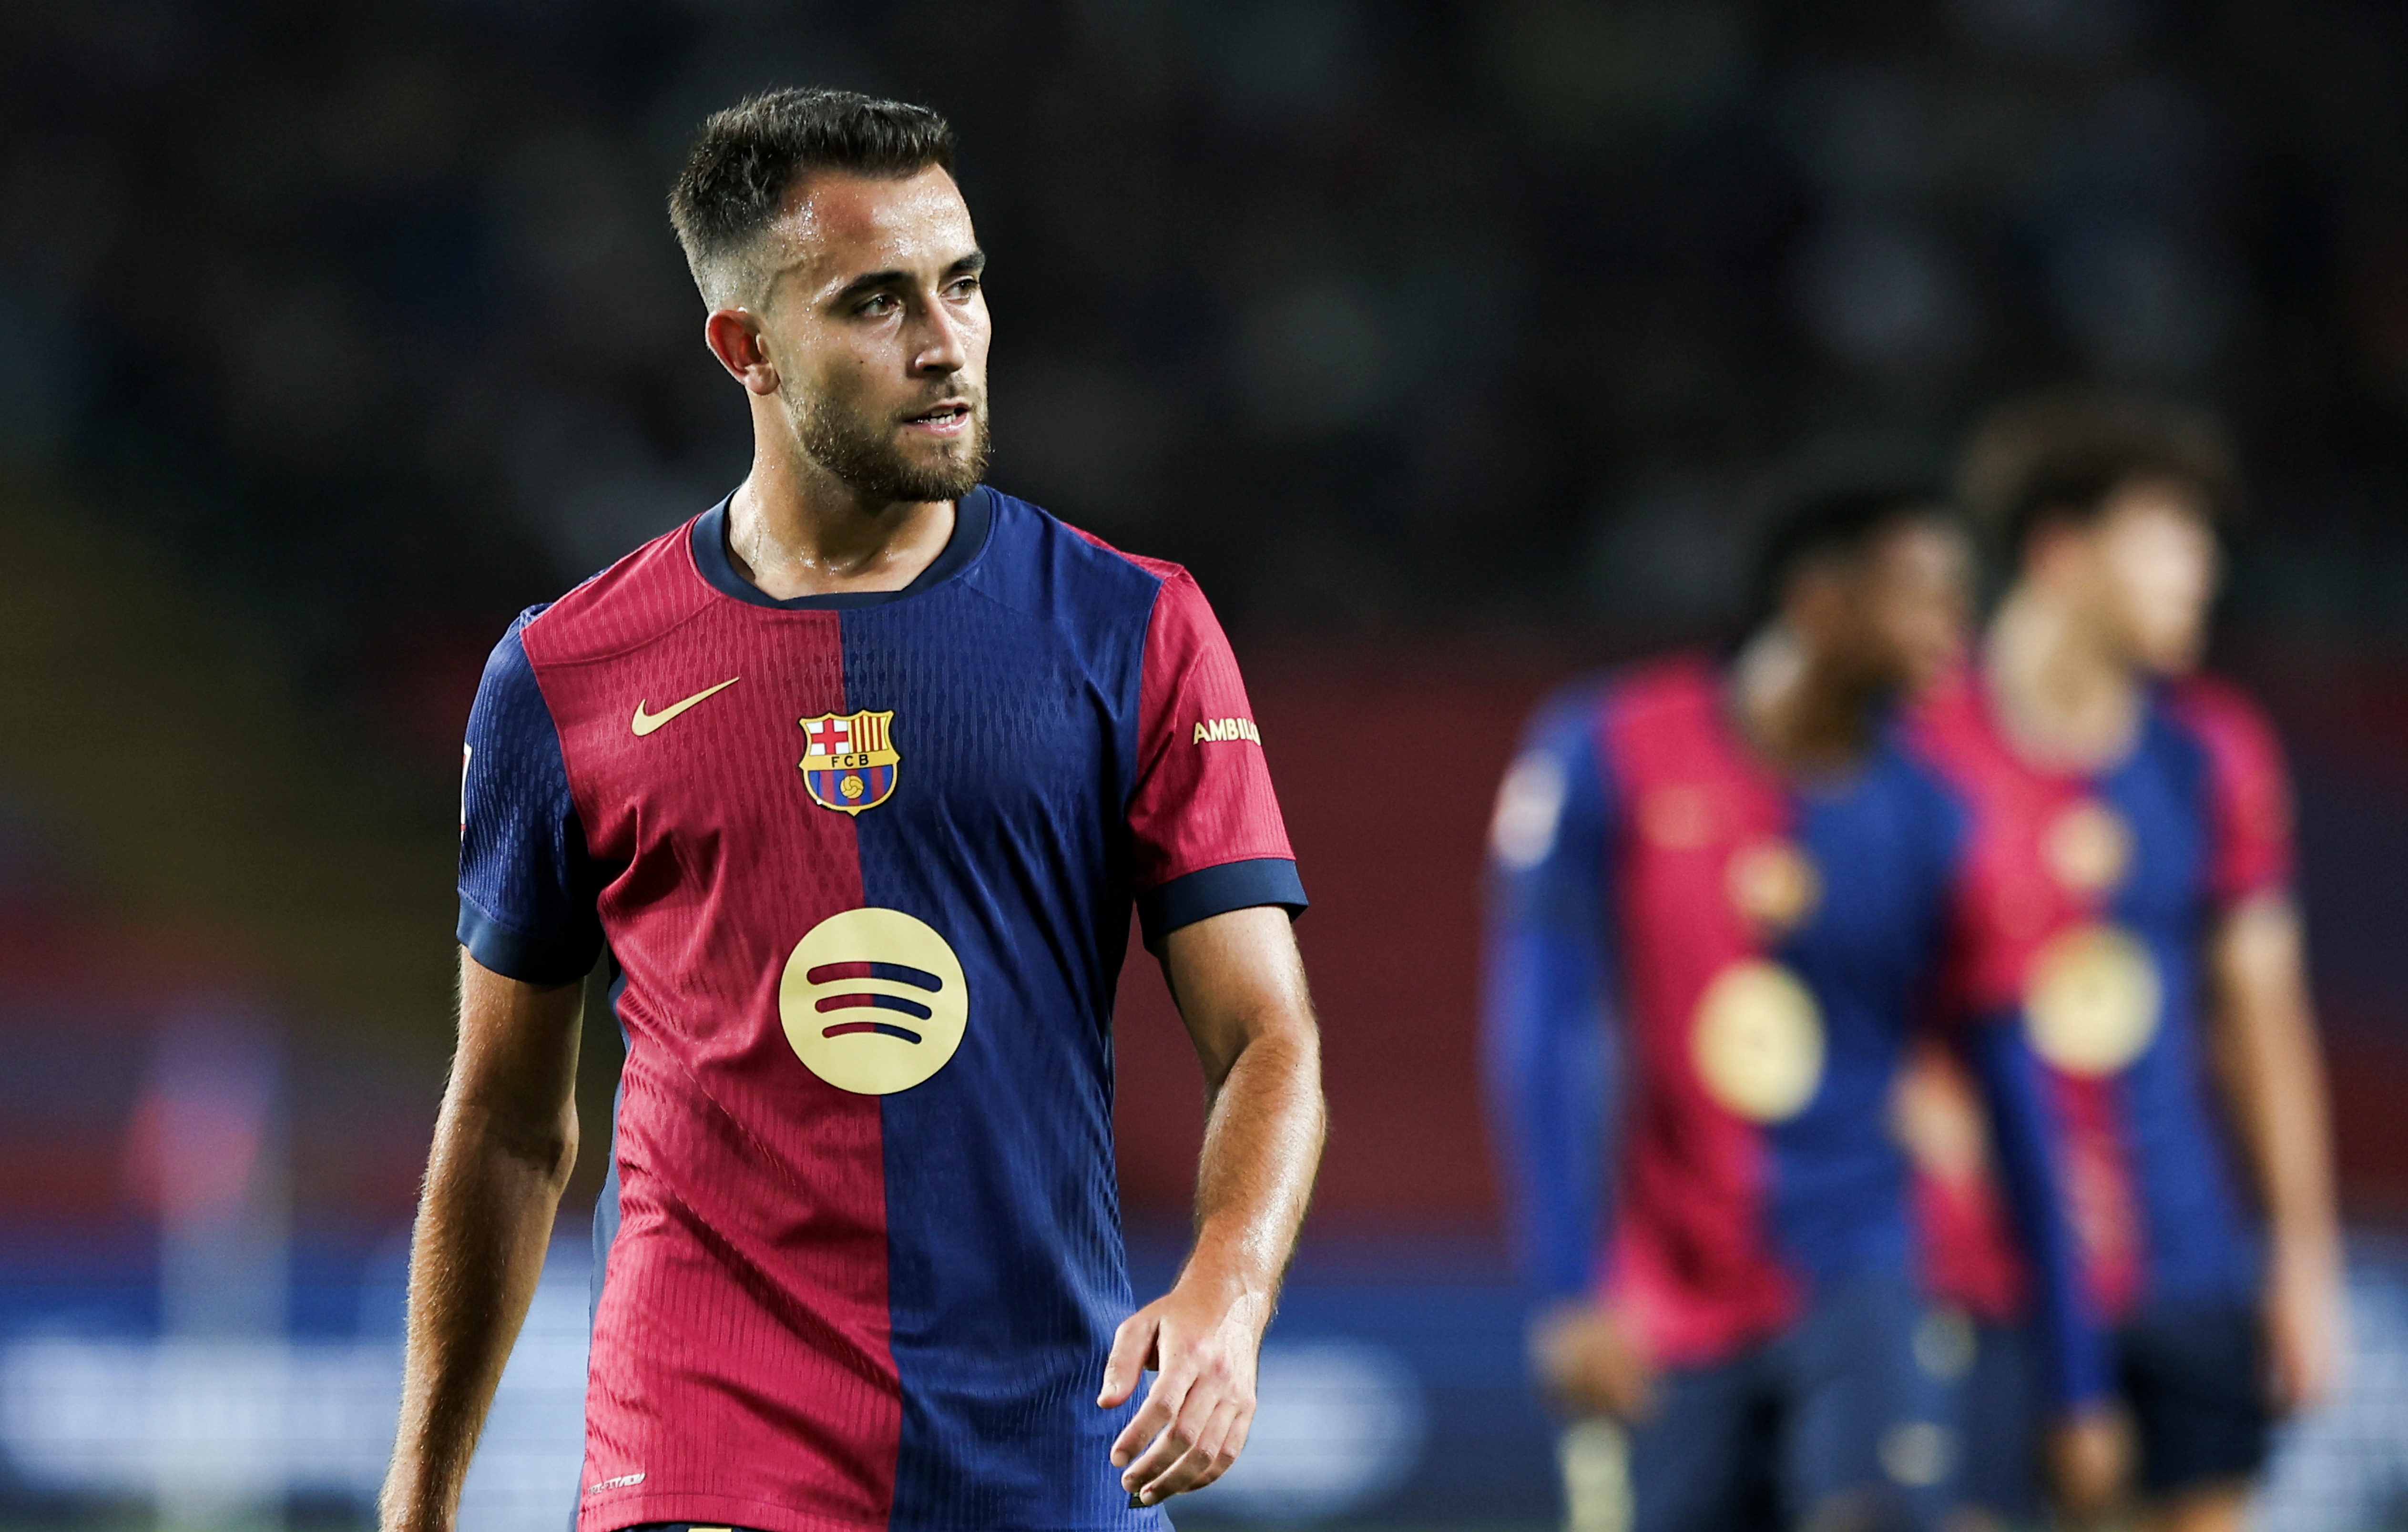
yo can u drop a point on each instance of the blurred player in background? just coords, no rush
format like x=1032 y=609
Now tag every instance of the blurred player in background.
x=858 y=774
x=1733 y=864
x=2131 y=954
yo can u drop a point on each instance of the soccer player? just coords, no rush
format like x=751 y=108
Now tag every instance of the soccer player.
x=856 y=776
x=1734 y=864
x=2132 y=953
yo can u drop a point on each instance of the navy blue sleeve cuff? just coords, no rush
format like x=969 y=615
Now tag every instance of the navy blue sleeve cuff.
x=1215 y=890
x=525 y=958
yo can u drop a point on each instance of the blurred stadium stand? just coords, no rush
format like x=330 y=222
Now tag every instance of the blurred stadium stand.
x=1444 y=340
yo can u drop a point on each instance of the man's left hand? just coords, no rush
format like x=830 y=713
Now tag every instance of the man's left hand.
x=1202 y=1341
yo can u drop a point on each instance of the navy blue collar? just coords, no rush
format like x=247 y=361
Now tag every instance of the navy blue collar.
x=973 y=518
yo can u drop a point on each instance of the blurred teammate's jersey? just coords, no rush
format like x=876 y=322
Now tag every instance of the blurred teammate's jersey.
x=865 y=865
x=2081 y=931
x=1764 y=947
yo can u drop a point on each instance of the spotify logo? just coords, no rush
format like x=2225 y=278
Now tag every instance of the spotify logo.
x=1757 y=1041
x=2092 y=1000
x=873 y=1001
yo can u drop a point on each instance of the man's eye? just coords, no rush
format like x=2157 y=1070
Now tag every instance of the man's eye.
x=963 y=288
x=882 y=304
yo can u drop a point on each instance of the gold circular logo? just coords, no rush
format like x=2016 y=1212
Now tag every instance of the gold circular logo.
x=1774 y=886
x=873 y=1001
x=1757 y=1041
x=2091 y=1003
x=2090 y=848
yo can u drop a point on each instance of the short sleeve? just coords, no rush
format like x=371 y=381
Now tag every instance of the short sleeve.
x=2248 y=792
x=527 y=882
x=1204 y=826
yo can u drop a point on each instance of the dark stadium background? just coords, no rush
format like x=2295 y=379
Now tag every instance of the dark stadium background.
x=1448 y=343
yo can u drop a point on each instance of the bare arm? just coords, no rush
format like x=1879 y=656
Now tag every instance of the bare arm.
x=504 y=1146
x=2274 y=1080
x=1240 y=985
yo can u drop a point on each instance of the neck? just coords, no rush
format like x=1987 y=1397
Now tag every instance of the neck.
x=2064 y=697
x=1798 y=709
x=795 y=529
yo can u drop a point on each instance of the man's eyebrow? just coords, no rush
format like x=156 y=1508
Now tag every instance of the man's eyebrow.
x=868 y=282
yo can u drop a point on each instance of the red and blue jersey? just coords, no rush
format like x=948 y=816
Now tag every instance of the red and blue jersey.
x=2080 y=922
x=1764 y=945
x=863 y=865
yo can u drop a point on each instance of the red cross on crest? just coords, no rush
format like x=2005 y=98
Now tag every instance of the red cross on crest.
x=829 y=736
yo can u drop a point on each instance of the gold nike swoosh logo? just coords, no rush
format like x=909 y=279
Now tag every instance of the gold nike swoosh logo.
x=644 y=723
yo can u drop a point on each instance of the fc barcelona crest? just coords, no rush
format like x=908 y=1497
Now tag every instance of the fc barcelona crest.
x=849 y=760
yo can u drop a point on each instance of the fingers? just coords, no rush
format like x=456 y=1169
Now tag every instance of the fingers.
x=1153 y=1423
x=1216 y=1447
x=1132 y=1344
x=2304 y=1350
x=1202 y=1439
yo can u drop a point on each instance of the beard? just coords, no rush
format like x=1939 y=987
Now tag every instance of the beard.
x=866 y=454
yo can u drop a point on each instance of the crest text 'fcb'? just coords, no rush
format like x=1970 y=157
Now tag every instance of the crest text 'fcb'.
x=849 y=760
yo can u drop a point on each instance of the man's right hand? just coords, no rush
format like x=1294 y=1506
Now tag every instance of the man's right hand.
x=1590 y=1363
x=2091 y=1460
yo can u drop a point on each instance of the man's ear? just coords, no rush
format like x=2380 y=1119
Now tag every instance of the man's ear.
x=734 y=336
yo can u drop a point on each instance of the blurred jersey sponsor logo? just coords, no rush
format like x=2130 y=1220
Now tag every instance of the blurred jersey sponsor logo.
x=1757 y=1041
x=2092 y=1000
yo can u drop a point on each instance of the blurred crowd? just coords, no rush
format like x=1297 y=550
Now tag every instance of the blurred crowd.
x=1485 y=313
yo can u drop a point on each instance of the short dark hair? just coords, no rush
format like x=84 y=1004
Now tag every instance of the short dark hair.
x=2063 y=456
x=1834 y=522
x=747 y=157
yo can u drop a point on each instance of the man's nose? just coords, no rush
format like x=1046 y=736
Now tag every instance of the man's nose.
x=944 y=346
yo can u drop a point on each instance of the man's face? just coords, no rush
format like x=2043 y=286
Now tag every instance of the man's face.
x=2152 y=569
x=876 y=320
x=1896 y=615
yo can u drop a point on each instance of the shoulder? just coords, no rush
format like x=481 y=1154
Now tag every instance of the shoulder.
x=1554 y=776
x=1022 y=528
x=509 y=676
x=1947 y=728
x=2240 y=759
x=1645 y=695
x=511 y=716
x=2225 y=721
x=1038 y=565
x=1685 y=681
x=648 y=593
x=1566 y=717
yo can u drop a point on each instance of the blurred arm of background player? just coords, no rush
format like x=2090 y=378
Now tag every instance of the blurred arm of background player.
x=1240 y=986
x=1550 y=1058
x=505 y=1143
x=2274 y=1080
